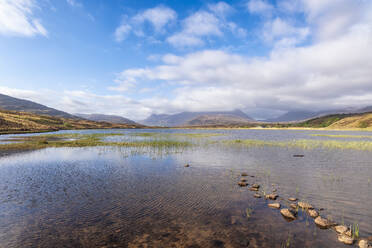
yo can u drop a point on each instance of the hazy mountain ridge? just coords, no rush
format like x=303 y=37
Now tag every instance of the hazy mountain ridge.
x=302 y=115
x=107 y=118
x=186 y=118
x=16 y=104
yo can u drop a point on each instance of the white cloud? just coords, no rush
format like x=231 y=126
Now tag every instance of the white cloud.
x=74 y=3
x=205 y=24
x=328 y=74
x=17 y=19
x=283 y=33
x=259 y=7
x=122 y=32
x=220 y=8
x=158 y=17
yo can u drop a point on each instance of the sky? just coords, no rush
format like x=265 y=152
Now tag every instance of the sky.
x=135 y=58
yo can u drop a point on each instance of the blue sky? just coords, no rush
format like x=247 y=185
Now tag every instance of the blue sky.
x=135 y=58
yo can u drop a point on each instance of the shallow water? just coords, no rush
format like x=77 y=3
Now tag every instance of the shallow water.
x=115 y=197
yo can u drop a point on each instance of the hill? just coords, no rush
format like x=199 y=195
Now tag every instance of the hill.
x=219 y=120
x=191 y=118
x=106 y=118
x=18 y=122
x=16 y=104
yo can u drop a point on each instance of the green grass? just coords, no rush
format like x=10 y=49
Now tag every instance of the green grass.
x=305 y=144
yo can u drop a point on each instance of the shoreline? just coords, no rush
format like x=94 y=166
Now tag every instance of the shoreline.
x=195 y=128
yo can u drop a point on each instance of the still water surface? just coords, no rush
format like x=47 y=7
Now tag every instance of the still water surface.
x=115 y=197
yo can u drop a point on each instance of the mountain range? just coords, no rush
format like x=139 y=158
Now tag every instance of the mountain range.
x=198 y=119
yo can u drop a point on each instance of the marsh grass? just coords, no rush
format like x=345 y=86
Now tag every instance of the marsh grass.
x=342 y=136
x=85 y=140
x=185 y=135
x=305 y=144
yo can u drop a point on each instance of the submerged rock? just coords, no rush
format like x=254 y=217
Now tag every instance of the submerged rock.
x=293 y=205
x=274 y=190
x=257 y=195
x=274 y=205
x=298 y=155
x=187 y=165
x=243 y=180
x=244 y=174
x=271 y=196
x=340 y=229
x=323 y=223
x=242 y=184
x=256 y=186
x=292 y=199
x=345 y=239
x=313 y=213
x=288 y=213
x=305 y=205
x=363 y=243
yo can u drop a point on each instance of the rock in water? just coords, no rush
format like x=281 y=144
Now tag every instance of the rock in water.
x=364 y=244
x=345 y=239
x=274 y=205
x=271 y=196
x=340 y=229
x=288 y=214
x=187 y=165
x=305 y=205
x=242 y=184
x=322 y=222
x=243 y=180
x=257 y=195
x=253 y=189
x=256 y=186
x=293 y=205
x=244 y=174
x=292 y=199
x=313 y=213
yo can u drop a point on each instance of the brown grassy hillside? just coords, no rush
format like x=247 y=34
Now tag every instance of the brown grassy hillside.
x=14 y=121
x=356 y=121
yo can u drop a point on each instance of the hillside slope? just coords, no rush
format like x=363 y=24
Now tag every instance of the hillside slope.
x=16 y=104
x=106 y=118
x=356 y=121
x=14 y=122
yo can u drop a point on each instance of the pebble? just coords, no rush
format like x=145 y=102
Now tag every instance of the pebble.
x=274 y=205
x=288 y=214
x=305 y=205
x=313 y=213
